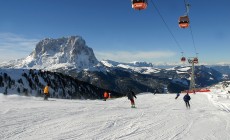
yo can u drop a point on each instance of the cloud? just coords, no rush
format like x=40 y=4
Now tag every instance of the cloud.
x=125 y=56
x=14 y=46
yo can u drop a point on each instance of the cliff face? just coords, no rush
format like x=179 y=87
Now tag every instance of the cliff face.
x=62 y=53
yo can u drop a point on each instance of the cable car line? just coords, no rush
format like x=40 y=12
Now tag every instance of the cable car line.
x=187 y=6
x=174 y=38
x=193 y=40
x=184 y=22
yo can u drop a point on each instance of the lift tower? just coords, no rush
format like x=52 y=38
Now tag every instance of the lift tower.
x=193 y=61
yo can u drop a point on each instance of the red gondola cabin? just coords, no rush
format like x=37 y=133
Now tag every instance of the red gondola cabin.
x=139 y=4
x=195 y=60
x=184 y=22
x=183 y=59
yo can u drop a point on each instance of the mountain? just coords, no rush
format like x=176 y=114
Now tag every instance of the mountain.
x=123 y=76
x=224 y=69
x=70 y=53
x=71 y=56
x=136 y=64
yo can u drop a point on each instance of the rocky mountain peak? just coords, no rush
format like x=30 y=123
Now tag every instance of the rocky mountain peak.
x=66 y=52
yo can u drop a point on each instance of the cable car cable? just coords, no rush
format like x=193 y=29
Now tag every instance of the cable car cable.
x=193 y=40
x=187 y=5
x=174 y=38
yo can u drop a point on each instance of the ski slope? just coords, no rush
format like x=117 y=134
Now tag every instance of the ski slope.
x=157 y=117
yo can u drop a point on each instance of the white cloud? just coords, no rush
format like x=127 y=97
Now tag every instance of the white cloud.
x=125 y=56
x=14 y=46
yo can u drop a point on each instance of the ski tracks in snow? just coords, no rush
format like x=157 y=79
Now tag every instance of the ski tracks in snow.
x=222 y=102
x=158 y=117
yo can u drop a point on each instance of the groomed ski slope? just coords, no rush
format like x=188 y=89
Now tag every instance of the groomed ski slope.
x=157 y=117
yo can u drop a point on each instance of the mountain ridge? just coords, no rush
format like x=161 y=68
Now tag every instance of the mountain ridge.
x=71 y=56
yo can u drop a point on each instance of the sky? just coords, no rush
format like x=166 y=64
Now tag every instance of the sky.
x=156 y=117
x=117 y=32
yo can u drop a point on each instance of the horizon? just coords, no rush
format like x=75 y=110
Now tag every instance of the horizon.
x=117 y=32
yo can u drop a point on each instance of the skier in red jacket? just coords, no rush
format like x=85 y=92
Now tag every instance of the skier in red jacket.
x=106 y=95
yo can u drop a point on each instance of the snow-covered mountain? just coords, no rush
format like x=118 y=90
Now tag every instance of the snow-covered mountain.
x=63 y=53
x=71 y=56
x=140 y=67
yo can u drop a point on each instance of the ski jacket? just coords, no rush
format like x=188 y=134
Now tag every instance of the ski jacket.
x=46 y=90
x=187 y=98
x=106 y=95
x=130 y=95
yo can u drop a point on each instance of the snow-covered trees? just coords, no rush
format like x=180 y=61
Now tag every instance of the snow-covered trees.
x=31 y=83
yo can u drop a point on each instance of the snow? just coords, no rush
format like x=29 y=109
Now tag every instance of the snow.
x=124 y=66
x=156 y=117
x=140 y=67
x=151 y=70
x=179 y=72
x=185 y=69
x=169 y=69
x=107 y=64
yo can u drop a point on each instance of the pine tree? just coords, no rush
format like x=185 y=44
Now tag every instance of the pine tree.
x=18 y=89
x=1 y=81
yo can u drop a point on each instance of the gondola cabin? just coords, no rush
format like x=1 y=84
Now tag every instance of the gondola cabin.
x=183 y=22
x=195 y=60
x=183 y=59
x=139 y=4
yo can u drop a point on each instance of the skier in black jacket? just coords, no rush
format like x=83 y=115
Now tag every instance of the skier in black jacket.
x=130 y=96
x=186 y=100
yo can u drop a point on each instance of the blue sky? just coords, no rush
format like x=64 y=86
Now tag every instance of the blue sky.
x=117 y=32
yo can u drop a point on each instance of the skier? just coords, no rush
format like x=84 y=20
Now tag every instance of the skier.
x=177 y=95
x=130 y=96
x=186 y=100
x=46 y=92
x=106 y=95
x=194 y=92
